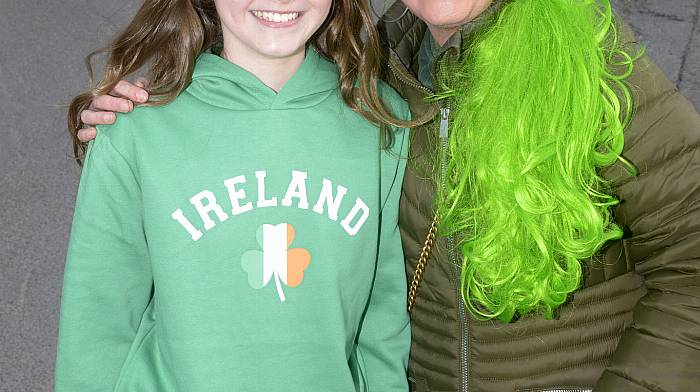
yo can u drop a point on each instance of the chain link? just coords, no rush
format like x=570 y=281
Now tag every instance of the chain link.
x=422 y=263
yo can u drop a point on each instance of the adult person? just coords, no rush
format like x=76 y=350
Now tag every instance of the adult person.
x=627 y=318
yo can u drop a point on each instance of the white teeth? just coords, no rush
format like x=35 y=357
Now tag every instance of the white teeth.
x=276 y=17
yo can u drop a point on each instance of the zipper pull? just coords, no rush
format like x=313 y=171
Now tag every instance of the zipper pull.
x=444 y=122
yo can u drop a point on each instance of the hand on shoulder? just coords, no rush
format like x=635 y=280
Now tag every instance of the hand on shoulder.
x=103 y=107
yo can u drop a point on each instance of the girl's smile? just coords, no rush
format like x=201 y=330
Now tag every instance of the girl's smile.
x=277 y=19
x=264 y=30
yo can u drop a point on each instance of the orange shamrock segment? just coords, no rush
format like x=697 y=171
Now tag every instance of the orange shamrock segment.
x=290 y=234
x=298 y=259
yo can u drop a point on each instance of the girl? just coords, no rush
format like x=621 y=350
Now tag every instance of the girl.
x=222 y=237
x=529 y=87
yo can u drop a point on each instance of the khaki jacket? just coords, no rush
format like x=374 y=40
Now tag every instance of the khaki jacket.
x=635 y=323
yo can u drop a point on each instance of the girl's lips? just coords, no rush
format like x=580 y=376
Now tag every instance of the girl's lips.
x=277 y=19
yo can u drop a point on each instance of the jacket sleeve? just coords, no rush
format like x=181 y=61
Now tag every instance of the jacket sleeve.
x=107 y=278
x=660 y=209
x=384 y=338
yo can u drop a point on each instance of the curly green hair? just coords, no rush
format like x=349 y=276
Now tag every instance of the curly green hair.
x=538 y=110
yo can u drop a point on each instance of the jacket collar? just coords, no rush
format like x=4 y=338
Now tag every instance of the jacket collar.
x=402 y=32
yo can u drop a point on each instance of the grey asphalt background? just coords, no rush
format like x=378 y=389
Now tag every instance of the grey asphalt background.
x=42 y=46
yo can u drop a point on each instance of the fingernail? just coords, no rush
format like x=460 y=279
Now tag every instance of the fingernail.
x=109 y=117
x=143 y=97
x=127 y=106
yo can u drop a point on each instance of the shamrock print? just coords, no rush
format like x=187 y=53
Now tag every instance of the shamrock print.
x=275 y=259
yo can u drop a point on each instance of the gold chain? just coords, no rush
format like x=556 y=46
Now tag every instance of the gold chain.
x=422 y=263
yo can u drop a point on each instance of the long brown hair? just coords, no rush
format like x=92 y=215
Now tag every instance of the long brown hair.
x=172 y=33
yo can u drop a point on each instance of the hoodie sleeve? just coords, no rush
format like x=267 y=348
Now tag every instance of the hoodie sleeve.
x=107 y=278
x=384 y=339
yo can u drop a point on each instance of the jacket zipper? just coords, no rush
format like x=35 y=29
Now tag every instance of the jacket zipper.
x=409 y=82
x=463 y=323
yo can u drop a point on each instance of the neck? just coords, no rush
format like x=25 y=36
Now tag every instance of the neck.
x=442 y=34
x=274 y=72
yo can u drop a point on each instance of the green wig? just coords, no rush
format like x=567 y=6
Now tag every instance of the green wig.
x=540 y=105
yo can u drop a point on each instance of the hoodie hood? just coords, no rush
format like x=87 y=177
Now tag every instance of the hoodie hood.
x=224 y=84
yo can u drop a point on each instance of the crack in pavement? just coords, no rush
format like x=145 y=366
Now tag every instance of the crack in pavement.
x=645 y=9
x=671 y=17
x=686 y=51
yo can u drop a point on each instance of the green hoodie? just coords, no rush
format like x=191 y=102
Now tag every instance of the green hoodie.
x=237 y=239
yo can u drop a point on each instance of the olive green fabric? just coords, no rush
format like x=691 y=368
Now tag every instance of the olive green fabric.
x=635 y=324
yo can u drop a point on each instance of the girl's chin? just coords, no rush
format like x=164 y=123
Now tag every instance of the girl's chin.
x=279 y=42
x=280 y=51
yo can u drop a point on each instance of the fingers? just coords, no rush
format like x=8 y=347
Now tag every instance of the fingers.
x=130 y=91
x=91 y=117
x=87 y=134
x=101 y=110
x=122 y=98
x=109 y=103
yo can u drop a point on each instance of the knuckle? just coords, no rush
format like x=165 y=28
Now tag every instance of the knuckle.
x=85 y=116
x=99 y=101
